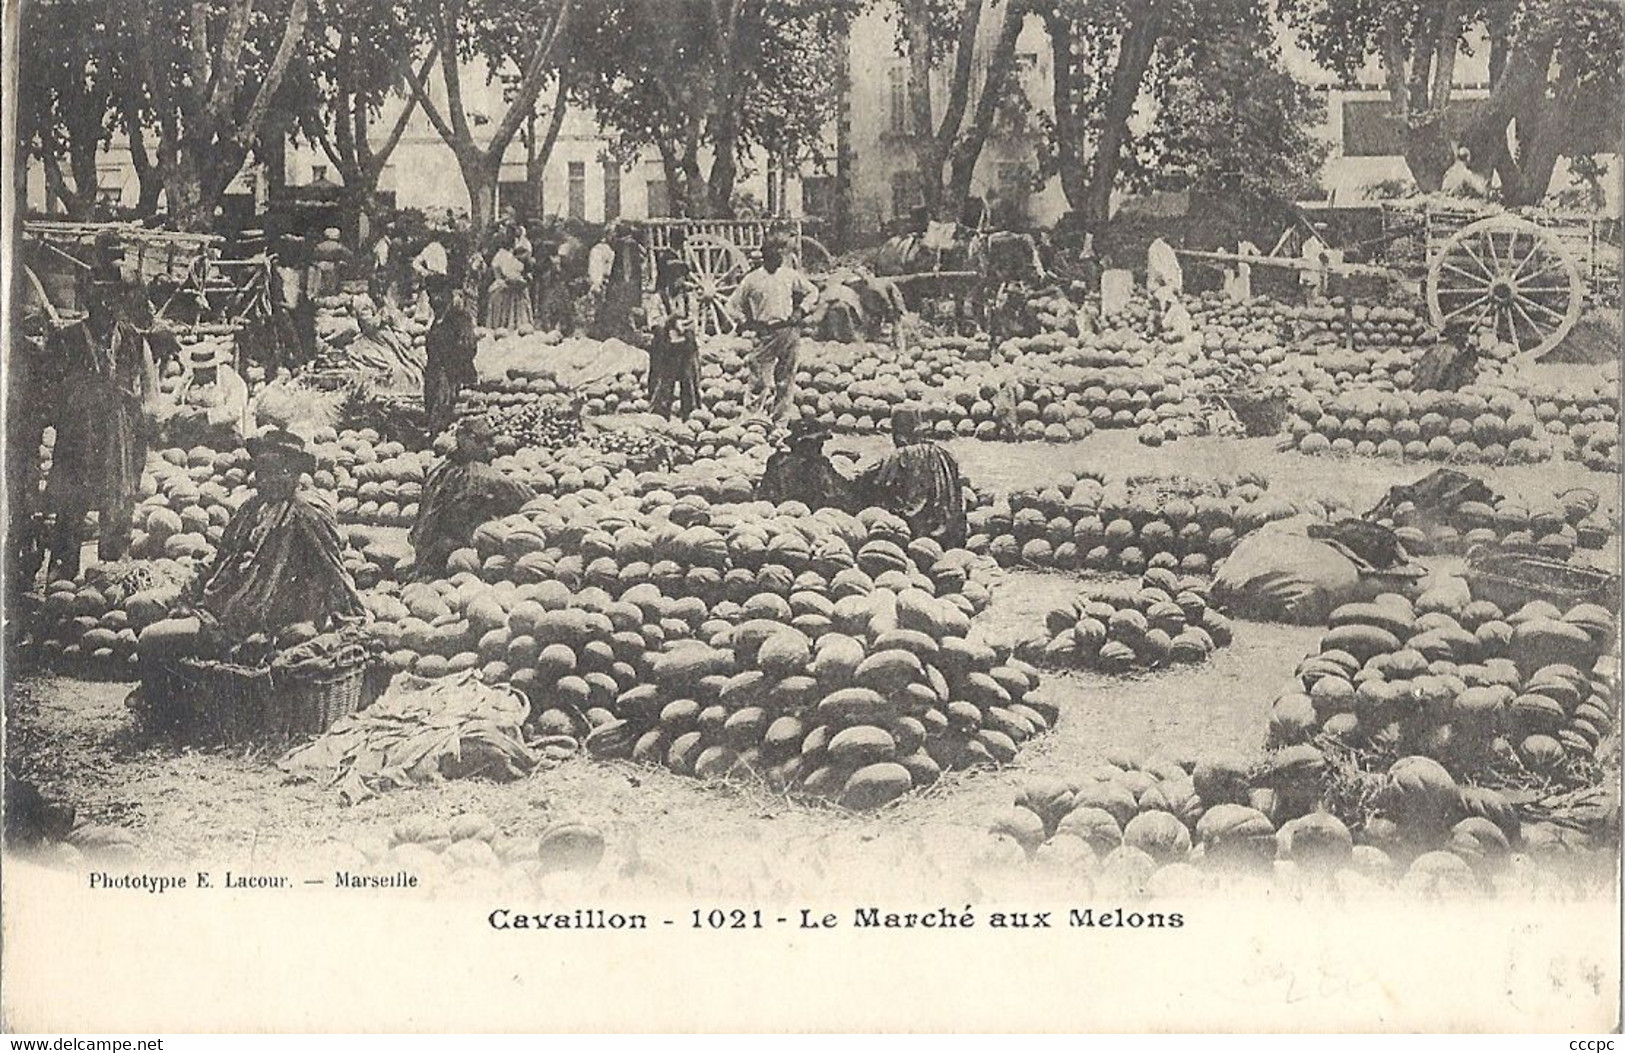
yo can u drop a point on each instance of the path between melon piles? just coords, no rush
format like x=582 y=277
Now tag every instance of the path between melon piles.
x=207 y=805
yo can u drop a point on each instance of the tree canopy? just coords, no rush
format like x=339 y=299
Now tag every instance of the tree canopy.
x=1554 y=70
x=707 y=82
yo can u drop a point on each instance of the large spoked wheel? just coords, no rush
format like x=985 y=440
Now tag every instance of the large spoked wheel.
x=715 y=268
x=1510 y=277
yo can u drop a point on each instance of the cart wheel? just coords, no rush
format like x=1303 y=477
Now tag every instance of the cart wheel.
x=1510 y=276
x=715 y=268
x=811 y=256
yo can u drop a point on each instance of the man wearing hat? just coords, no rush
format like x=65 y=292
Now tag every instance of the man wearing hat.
x=674 y=350
x=800 y=470
x=109 y=398
x=450 y=347
x=213 y=398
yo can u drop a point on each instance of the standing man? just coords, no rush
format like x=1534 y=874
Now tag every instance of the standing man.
x=450 y=346
x=33 y=383
x=674 y=365
x=101 y=427
x=379 y=282
x=332 y=263
x=770 y=303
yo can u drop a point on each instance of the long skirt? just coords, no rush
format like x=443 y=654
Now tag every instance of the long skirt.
x=509 y=307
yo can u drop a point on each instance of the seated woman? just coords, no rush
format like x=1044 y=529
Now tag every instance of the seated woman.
x=280 y=562
x=800 y=470
x=919 y=482
x=461 y=493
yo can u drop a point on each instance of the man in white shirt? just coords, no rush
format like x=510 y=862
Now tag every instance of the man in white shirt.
x=770 y=304
x=601 y=260
x=213 y=397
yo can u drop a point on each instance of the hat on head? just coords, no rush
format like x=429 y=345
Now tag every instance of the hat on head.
x=206 y=356
x=331 y=233
x=807 y=430
x=906 y=420
x=278 y=451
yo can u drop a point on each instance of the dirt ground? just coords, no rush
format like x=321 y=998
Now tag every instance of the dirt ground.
x=74 y=737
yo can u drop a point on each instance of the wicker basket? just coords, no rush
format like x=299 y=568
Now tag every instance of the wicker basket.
x=205 y=703
x=310 y=703
x=1510 y=580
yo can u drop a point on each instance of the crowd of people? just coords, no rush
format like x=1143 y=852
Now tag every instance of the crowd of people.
x=517 y=276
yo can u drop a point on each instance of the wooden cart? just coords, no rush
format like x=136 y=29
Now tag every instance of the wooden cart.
x=717 y=252
x=1525 y=277
x=193 y=289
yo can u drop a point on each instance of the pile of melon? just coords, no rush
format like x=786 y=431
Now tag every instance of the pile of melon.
x=1362 y=325
x=1164 y=828
x=1165 y=621
x=1595 y=444
x=1479 y=425
x=1128 y=526
x=385 y=491
x=434 y=849
x=93 y=622
x=857 y=701
x=1481 y=690
x=687 y=547
x=542 y=421
x=1552 y=528
x=187 y=498
x=703 y=687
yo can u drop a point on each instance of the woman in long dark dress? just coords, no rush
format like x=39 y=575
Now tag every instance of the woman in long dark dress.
x=920 y=482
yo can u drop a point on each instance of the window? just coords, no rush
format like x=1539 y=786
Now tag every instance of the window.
x=612 y=191
x=775 y=189
x=658 y=206
x=578 y=190
x=897 y=95
x=318 y=173
x=905 y=192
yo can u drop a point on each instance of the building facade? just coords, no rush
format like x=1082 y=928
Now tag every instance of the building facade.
x=867 y=178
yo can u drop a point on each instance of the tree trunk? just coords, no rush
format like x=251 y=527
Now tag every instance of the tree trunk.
x=540 y=153
x=928 y=155
x=1427 y=152
x=967 y=148
x=1133 y=57
x=480 y=179
x=719 y=185
x=184 y=190
x=148 y=178
x=1068 y=133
